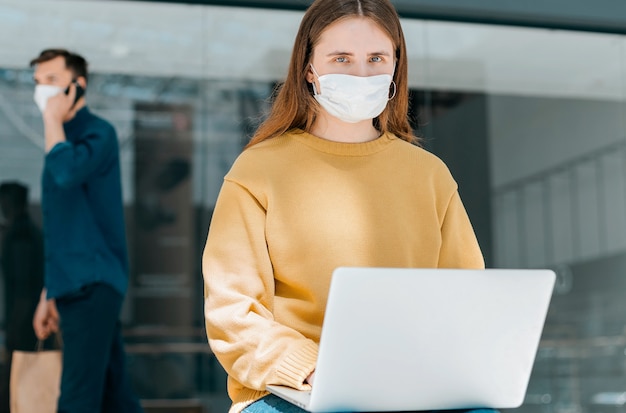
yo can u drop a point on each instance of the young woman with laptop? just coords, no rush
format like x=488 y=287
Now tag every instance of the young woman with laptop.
x=333 y=177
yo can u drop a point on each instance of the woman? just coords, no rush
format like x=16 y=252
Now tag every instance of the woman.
x=330 y=179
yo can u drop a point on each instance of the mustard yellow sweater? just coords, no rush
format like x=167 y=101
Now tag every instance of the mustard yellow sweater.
x=291 y=210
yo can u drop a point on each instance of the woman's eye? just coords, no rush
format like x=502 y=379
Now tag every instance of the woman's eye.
x=377 y=59
x=342 y=59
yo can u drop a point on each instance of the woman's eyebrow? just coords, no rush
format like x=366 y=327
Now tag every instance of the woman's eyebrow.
x=339 y=52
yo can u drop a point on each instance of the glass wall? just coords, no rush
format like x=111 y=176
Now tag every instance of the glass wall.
x=531 y=122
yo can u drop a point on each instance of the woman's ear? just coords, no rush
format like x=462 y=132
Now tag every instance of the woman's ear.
x=310 y=76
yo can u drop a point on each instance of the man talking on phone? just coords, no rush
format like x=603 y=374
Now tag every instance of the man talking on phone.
x=86 y=262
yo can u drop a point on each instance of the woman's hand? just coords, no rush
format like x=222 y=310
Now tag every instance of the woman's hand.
x=309 y=379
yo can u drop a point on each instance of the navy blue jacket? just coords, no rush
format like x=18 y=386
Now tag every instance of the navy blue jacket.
x=83 y=216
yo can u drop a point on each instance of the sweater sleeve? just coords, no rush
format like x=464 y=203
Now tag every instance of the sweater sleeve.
x=459 y=248
x=253 y=348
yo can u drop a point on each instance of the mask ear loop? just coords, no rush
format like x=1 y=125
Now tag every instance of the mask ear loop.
x=314 y=88
x=313 y=82
x=395 y=89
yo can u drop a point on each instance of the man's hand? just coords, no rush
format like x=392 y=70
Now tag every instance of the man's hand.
x=46 y=319
x=58 y=110
x=60 y=105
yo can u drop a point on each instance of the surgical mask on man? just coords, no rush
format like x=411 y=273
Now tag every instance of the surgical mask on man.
x=351 y=98
x=43 y=93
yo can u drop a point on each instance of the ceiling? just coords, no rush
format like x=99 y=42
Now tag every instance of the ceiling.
x=607 y=16
x=173 y=40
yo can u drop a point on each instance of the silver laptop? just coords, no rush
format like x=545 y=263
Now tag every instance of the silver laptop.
x=399 y=339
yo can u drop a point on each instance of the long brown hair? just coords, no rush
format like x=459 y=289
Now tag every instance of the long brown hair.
x=294 y=105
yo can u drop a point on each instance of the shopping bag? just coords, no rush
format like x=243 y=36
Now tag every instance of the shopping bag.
x=35 y=381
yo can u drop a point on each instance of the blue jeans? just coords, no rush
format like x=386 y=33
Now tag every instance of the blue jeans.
x=274 y=404
x=94 y=377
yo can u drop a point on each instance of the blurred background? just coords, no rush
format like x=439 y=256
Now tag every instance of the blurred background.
x=526 y=103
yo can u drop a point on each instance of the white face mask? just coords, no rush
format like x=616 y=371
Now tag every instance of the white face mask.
x=43 y=93
x=353 y=99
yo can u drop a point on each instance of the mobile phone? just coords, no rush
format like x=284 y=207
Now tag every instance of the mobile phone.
x=79 y=91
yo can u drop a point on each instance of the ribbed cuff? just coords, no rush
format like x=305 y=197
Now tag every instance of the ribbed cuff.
x=297 y=366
